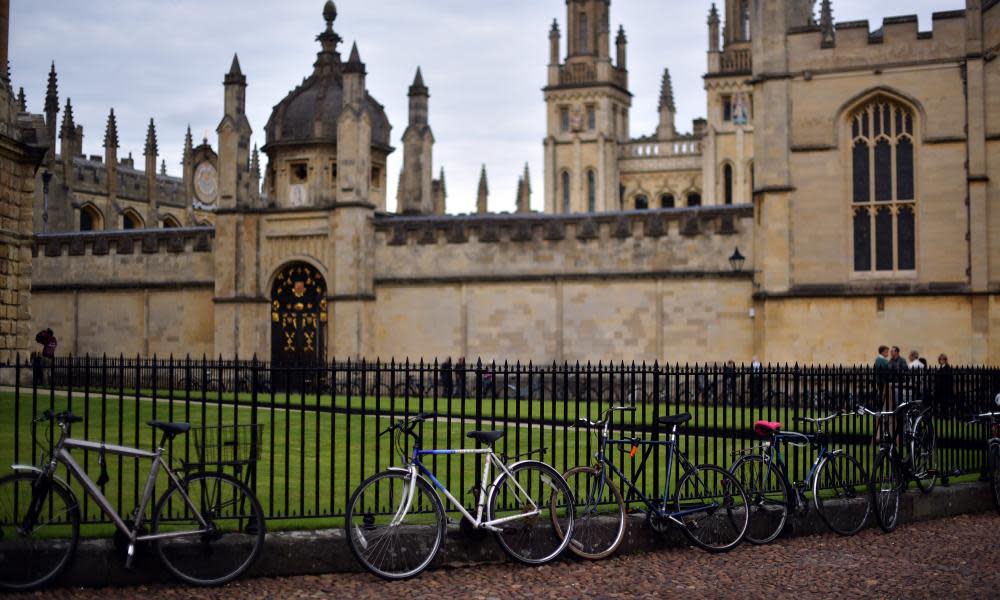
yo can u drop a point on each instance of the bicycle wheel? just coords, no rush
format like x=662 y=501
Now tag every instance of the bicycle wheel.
x=884 y=488
x=840 y=495
x=767 y=497
x=598 y=516
x=388 y=538
x=223 y=550
x=919 y=451
x=536 y=508
x=35 y=555
x=712 y=506
x=994 y=466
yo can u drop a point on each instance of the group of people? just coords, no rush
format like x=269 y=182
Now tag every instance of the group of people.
x=890 y=358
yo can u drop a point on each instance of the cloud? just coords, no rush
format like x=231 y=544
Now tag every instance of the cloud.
x=485 y=64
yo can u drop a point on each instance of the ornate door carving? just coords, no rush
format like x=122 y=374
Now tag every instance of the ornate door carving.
x=298 y=316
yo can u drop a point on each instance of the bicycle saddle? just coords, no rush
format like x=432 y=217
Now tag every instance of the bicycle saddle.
x=170 y=428
x=485 y=437
x=674 y=420
x=766 y=428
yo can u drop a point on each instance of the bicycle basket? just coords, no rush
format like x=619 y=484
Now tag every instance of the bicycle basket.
x=227 y=445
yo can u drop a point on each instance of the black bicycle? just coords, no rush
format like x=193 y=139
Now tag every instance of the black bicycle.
x=707 y=503
x=993 y=451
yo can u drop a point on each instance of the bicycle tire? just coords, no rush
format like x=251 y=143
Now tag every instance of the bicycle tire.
x=235 y=537
x=922 y=447
x=27 y=566
x=368 y=521
x=725 y=491
x=884 y=489
x=767 y=497
x=597 y=533
x=554 y=502
x=993 y=462
x=836 y=512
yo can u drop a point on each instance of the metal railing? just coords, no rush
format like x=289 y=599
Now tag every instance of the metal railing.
x=318 y=424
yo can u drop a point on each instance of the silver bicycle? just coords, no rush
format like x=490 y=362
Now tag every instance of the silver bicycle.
x=207 y=528
x=395 y=521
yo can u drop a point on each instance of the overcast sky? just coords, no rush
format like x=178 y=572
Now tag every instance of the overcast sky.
x=483 y=60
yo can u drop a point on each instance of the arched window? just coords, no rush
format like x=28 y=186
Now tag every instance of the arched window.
x=584 y=32
x=727 y=183
x=745 y=20
x=565 y=192
x=170 y=222
x=131 y=220
x=667 y=201
x=591 y=192
x=90 y=219
x=883 y=202
x=641 y=202
x=694 y=199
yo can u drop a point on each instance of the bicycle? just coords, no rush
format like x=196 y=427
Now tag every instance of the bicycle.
x=763 y=472
x=993 y=451
x=893 y=468
x=395 y=522
x=708 y=504
x=207 y=528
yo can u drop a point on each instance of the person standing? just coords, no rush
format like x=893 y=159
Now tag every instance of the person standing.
x=447 y=382
x=47 y=356
x=914 y=360
x=943 y=387
x=756 y=384
x=459 y=371
x=897 y=362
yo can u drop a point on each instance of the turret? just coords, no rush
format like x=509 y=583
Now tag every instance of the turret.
x=111 y=164
x=151 y=151
x=67 y=143
x=234 y=140
x=415 y=193
x=51 y=110
x=620 y=43
x=667 y=129
x=554 y=38
x=483 y=195
x=713 y=29
x=354 y=133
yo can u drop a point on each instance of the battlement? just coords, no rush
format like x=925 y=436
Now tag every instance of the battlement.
x=653 y=148
x=897 y=42
x=102 y=243
x=90 y=175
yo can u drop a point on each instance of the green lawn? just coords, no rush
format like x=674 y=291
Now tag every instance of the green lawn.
x=313 y=454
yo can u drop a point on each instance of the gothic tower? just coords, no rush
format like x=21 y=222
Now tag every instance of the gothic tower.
x=588 y=101
x=234 y=140
x=415 y=194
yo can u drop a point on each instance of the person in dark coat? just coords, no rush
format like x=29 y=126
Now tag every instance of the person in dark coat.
x=47 y=355
x=447 y=383
x=944 y=388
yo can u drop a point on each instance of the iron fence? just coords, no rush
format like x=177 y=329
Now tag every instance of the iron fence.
x=316 y=427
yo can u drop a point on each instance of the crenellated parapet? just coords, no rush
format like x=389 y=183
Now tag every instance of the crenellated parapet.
x=177 y=240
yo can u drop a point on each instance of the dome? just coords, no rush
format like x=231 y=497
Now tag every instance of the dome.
x=309 y=113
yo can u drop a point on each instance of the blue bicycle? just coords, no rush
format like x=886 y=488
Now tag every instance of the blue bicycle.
x=838 y=482
x=396 y=522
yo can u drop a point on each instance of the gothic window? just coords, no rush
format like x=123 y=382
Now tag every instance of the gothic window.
x=727 y=183
x=565 y=192
x=131 y=220
x=641 y=202
x=883 y=199
x=591 y=117
x=169 y=222
x=564 y=118
x=667 y=201
x=591 y=192
x=584 y=33
x=90 y=219
x=745 y=20
x=727 y=108
x=694 y=199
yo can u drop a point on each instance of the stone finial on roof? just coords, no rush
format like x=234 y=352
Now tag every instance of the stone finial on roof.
x=417 y=88
x=68 y=129
x=52 y=92
x=163 y=167
x=188 y=142
x=713 y=15
x=667 y=92
x=111 y=131
x=620 y=39
x=441 y=179
x=235 y=74
x=22 y=102
x=527 y=179
x=151 y=147
x=255 y=162
x=354 y=63
x=826 y=23
x=482 y=197
x=554 y=31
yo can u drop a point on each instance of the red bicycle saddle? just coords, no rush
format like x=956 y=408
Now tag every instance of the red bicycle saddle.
x=766 y=428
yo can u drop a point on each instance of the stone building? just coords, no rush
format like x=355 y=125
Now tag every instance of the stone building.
x=855 y=170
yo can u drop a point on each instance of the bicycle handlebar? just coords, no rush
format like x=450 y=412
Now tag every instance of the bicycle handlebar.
x=818 y=420
x=63 y=417
x=408 y=424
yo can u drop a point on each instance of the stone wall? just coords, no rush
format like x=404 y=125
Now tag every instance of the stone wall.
x=16 y=196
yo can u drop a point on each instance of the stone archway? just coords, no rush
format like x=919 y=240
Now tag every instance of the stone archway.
x=298 y=315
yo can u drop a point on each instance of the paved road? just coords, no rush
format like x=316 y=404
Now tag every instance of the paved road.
x=948 y=558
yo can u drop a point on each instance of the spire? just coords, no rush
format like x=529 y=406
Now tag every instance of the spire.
x=355 y=55
x=620 y=43
x=441 y=179
x=235 y=74
x=826 y=22
x=418 y=88
x=111 y=131
x=354 y=64
x=151 y=147
x=52 y=92
x=163 y=167
x=527 y=180
x=554 y=43
x=482 y=198
x=713 y=29
x=524 y=191
x=68 y=130
x=189 y=142
x=255 y=163
x=667 y=92
x=22 y=102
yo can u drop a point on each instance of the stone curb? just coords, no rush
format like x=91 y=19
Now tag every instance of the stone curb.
x=97 y=563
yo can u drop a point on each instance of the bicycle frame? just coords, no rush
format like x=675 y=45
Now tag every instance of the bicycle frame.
x=61 y=454
x=416 y=468
x=774 y=455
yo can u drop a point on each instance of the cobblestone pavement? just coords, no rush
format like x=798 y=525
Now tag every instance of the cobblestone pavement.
x=949 y=558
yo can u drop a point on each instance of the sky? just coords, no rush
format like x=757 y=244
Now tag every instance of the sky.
x=483 y=60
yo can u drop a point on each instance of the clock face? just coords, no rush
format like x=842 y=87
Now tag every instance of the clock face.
x=206 y=183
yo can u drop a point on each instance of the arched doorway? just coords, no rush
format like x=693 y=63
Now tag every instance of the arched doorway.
x=298 y=315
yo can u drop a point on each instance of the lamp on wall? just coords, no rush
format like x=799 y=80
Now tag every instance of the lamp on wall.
x=736 y=261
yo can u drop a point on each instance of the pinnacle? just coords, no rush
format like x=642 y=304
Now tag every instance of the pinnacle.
x=22 y=102
x=163 y=167
x=667 y=92
x=484 y=187
x=329 y=11
x=52 y=92
x=111 y=131
x=418 y=80
x=188 y=140
x=151 y=147
x=355 y=57
x=68 y=126
x=234 y=69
